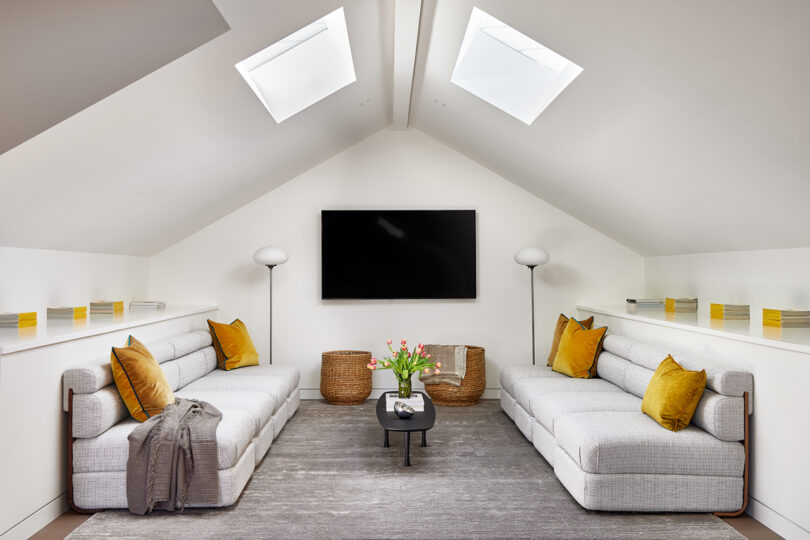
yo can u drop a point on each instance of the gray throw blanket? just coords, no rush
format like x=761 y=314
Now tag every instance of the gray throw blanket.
x=173 y=458
x=454 y=364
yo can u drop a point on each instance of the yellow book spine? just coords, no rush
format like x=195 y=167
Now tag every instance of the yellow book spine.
x=30 y=316
x=775 y=314
x=118 y=307
x=80 y=312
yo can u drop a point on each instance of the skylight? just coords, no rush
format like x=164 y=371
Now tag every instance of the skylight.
x=510 y=70
x=303 y=68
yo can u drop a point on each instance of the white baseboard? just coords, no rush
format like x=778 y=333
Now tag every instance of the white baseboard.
x=37 y=520
x=315 y=393
x=776 y=521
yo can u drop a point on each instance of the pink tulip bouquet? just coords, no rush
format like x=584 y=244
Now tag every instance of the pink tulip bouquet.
x=405 y=363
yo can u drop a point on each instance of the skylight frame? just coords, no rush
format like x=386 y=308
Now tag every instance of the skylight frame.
x=524 y=76
x=323 y=49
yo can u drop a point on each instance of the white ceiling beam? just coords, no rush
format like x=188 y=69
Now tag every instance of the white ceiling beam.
x=406 y=32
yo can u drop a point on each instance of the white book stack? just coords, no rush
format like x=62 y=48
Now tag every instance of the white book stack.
x=416 y=401
x=147 y=304
x=645 y=302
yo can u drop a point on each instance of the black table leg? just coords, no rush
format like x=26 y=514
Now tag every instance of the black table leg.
x=407 y=448
x=385 y=444
x=424 y=437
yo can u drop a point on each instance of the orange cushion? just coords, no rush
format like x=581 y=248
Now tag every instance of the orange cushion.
x=562 y=322
x=579 y=350
x=140 y=380
x=673 y=394
x=233 y=345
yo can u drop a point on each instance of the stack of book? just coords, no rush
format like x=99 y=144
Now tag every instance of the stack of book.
x=786 y=318
x=79 y=312
x=644 y=302
x=416 y=401
x=147 y=304
x=106 y=307
x=730 y=312
x=18 y=320
x=681 y=305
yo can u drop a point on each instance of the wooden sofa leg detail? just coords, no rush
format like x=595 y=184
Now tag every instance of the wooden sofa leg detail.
x=70 y=459
x=745 y=469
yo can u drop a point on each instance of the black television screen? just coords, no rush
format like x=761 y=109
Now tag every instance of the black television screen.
x=377 y=254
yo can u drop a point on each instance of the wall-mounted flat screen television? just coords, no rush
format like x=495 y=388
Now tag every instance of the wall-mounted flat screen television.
x=384 y=254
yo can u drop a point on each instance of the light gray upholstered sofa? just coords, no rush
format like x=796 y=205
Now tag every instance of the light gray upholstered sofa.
x=256 y=402
x=611 y=456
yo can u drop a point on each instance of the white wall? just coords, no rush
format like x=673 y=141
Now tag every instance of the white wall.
x=772 y=278
x=778 y=278
x=395 y=170
x=33 y=279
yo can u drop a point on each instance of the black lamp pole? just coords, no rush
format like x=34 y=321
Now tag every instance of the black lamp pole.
x=270 y=256
x=270 y=332
x=531 y=274
x=532 y=257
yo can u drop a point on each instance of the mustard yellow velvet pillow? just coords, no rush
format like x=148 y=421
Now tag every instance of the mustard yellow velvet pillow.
x=673 y=394
x=233 y=345
x=579 y=350
x=140 y=380
x=562 y=322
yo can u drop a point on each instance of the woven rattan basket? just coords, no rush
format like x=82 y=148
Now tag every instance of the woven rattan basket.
x=345 y=379
x=472 y=385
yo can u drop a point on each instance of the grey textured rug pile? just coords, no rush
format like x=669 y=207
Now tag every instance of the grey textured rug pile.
x=328 y=476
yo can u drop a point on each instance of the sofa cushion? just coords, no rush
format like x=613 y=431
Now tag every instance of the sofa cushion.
x=612 y=368
x=579 y=350
x=528 y=389
x=512 y=374
x=258 y=404
x=290 y=377
x=723 y=380
x=633 y=443
x=722 y=416
x=673 y=394
x=549 y=407
x=233 y=345
x=190 y=367
x=562 y=323
x=189 y=342
x=110 y=450
x=272 y=386
x=140 y=380
x=95 y=413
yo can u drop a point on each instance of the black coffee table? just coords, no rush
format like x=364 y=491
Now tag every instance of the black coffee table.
x=420 y=421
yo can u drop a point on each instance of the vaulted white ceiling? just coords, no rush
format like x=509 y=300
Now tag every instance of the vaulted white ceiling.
x=189 y=143
x=688 y=130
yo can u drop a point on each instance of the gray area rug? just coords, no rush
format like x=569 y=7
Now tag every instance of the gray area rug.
x=328 y=476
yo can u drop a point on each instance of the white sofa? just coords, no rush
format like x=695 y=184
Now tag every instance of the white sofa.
x=611 y=456
x=256 y=402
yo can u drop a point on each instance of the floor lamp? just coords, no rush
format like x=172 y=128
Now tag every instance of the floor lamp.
x=532 y=257
x=270 y=256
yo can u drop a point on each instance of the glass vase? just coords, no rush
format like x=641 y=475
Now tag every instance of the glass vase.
x=405 y=387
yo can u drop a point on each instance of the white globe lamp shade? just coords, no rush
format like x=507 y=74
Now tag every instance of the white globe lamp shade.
x=531 y=256
x=270 y=256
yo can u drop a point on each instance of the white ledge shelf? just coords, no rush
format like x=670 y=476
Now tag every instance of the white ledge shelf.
x=751 y=331
x=50 y=332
